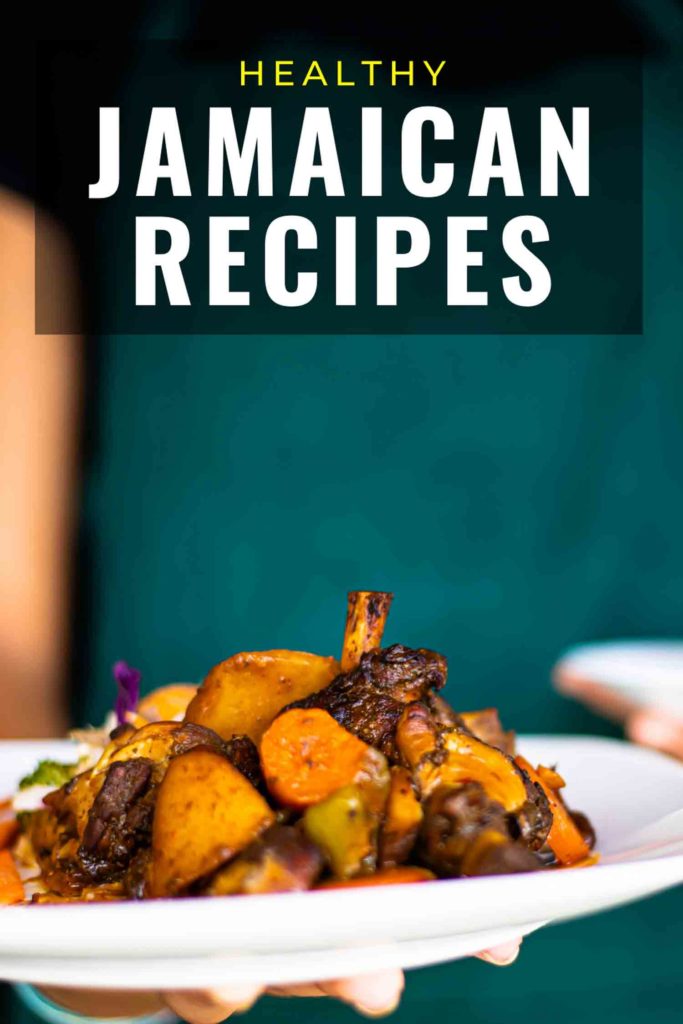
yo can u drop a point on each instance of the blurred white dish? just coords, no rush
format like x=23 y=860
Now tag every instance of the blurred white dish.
x=647 y=672
x=632 y=795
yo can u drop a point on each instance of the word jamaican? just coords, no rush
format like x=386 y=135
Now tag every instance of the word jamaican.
x=236 y=165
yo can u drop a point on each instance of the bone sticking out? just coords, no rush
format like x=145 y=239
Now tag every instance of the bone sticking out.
x=366 y=618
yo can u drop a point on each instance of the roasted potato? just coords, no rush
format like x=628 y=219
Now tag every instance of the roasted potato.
x=206 y=813
x=242 y=695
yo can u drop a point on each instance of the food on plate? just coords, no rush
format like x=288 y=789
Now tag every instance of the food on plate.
x=287 y=771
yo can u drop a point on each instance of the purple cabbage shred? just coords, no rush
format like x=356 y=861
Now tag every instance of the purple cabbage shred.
x=128 y=683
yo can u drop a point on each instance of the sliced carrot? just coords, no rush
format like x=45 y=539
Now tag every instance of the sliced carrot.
x=550 y=777
x=390 y=876
x=9 y=826
x=588 y=862
x=306 y=756
x=564 y=838
x=11 y=888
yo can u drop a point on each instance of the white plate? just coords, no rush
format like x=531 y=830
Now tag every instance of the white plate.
x=634 y=796
x=644 y=671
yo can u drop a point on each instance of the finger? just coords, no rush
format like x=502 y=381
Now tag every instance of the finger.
x=596 y=696
x=210 y=1006
x=373 y=995
x=503 y=955
x=655 y=729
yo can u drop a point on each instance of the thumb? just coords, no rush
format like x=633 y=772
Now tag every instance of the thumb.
x=503 y=955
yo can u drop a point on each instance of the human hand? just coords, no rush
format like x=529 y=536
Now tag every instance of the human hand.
x=646 y=725
x=373 y=995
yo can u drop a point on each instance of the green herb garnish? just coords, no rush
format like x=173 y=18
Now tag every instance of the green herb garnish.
x=49 y=773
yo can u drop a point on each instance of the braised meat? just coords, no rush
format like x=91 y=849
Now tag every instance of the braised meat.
x=369 y=700
x=442 y=712
x=535 y=818
x=464 y=832
x=189 y=736
x=120 y=819
x=243 y=753
x=239 y=750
